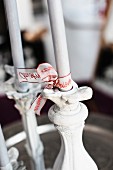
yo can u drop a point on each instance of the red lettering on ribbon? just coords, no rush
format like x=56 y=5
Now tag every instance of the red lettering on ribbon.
x=47 y=69
x=24 y=75
x=38 y=103
x=48 y=74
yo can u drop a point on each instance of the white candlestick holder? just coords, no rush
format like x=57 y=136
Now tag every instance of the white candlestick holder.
x=68 y=115
x=23 y=101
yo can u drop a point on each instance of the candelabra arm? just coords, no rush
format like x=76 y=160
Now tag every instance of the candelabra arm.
x=23 y=101
x=34 y=144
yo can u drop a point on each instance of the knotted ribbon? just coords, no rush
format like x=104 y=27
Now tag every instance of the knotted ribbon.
x=48 y=74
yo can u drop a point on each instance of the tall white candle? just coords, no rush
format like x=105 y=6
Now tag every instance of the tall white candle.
x=29 y=120
x=4 y=159
x=59 y=40
x=15 y=38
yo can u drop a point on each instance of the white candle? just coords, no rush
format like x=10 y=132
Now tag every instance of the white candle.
x=15 y=38
x=59 y=41
x=4 y=160
x=29 y=120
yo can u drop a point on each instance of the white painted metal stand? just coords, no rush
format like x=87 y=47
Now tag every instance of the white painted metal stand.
x=34 y=145
x=68 y=116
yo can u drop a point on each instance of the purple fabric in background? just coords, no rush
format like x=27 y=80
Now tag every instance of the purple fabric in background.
x=104 y=102
x=8 y=113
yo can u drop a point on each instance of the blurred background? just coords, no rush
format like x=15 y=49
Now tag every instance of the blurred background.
x=89 y=31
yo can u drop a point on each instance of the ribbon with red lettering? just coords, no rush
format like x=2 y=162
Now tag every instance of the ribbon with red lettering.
x=45 y=73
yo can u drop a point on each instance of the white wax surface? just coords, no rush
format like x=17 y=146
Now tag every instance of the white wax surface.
x=59 y=37
x=15 y=38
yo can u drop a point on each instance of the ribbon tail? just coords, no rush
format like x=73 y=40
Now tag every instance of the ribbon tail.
x=38 y=104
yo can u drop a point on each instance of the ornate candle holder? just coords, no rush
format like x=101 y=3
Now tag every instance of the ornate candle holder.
x=23 y=101
x=68 y=115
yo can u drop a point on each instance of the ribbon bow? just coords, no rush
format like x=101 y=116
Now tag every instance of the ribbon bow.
x=48 y=74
